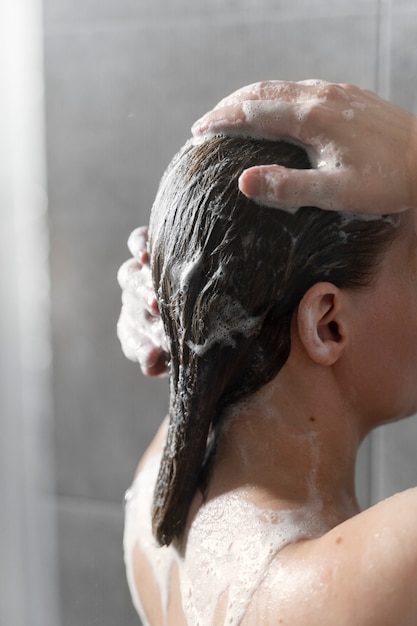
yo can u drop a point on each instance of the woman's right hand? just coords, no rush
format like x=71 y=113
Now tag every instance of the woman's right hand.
x=140 y=329
x=363 y=149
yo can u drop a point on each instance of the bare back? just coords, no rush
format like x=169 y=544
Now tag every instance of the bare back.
x=244 y=565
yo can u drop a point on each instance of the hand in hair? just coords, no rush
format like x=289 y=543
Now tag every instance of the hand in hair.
x=364 y=148
x=139 y=328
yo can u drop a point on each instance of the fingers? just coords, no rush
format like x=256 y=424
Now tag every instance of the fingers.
x=273 y=89
x=282 y=188
x=138 y=347
x=138 y=244
x=135 y=278
x=268 y=119
x=273 y=109
x=159 y=367
x=135 y=346
x=264 y=90
x=140 y=329
x=140 y=318
x=229 y=112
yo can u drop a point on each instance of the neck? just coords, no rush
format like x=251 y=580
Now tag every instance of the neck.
x=294 y=445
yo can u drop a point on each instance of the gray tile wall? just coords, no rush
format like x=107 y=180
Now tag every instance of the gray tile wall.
x=125 y=80
x=395 y=462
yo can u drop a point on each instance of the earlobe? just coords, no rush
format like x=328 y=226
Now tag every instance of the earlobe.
x=320 y=323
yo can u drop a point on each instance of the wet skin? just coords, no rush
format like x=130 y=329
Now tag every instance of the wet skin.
x=293 y=447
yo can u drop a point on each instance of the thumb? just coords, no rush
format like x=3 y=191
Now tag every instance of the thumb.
x=289 y=189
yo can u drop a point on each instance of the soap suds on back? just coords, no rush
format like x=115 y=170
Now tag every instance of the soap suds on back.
x=229 y=548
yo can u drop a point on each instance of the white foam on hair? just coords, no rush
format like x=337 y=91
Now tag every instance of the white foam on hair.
x=227 y=316
x=188 y=270
x=230 y=318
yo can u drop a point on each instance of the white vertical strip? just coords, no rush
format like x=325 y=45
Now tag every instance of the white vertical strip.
x=383 y=87
x=28 y=587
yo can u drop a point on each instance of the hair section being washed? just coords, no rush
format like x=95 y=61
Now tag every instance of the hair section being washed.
x=228 y=275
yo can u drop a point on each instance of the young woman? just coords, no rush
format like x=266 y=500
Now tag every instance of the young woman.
x=289 y=340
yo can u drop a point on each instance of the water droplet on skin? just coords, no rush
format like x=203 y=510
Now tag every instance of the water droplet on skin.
x=348 y=114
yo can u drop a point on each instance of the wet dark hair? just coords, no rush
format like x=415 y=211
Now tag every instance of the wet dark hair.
x=228 y=276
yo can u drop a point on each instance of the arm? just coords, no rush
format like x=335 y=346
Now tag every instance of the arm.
x=363 y=149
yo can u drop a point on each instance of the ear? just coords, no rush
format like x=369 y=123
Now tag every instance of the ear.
x=321 y=323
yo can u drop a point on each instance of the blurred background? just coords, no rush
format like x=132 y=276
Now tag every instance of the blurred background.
x=96 y=96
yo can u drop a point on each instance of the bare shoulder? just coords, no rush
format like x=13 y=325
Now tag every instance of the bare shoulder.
x=375 y=557
x=361 y=573
x=385 y=536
